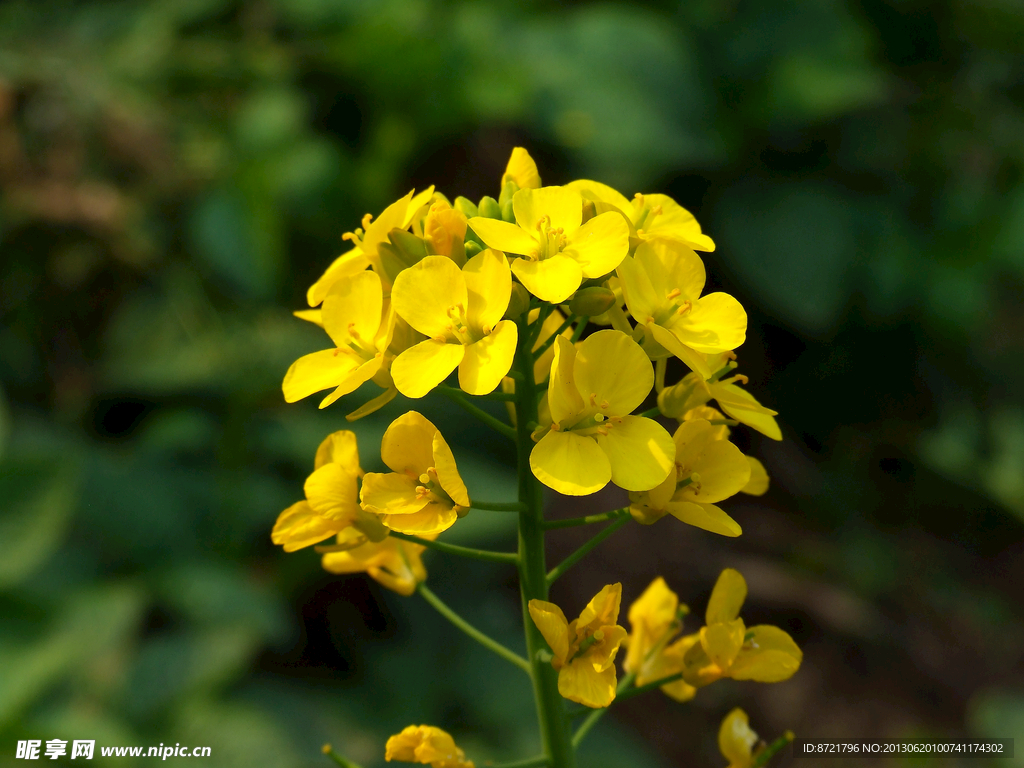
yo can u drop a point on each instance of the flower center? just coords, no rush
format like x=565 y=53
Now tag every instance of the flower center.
x=552 y=239
x=431 y=490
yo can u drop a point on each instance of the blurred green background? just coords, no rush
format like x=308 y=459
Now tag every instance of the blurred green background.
x=175 y=173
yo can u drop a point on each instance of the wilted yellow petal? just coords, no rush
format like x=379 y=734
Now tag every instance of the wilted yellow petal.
x=736 y=740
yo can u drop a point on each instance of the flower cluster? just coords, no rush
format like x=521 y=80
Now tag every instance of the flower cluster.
x=489 y=301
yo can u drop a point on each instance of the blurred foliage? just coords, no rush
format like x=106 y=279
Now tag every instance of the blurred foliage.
x=174 y=174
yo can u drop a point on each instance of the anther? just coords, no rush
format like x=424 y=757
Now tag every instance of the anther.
x=673 y=293
x=605 y=404
x=366 y=220
x=686 y=307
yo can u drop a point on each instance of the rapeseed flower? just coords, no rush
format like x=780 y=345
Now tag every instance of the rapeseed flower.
x=728 y=648
x=592 y=439
x=394 y=563
x=708 y=469
x=655 y=619
x=359 y=323
x=736 y=740
x=650 y=217
x=521 y=170
x=428 y=745
x=662 y=284
x=584 y=651
x=424 y=493
x=460 y=313
x=367 y=241
x=556 y=249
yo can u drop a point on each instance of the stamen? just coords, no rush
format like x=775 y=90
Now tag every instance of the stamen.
x=673 y=293
x=686 y=307
x=366 y=220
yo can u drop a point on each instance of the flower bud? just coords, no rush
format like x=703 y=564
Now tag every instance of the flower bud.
x=595 y=300
x=508 y=189
x=466 y=207
x=519 y=302
x=489 y=208
x=507 y=213
x=411 y=249
x=472 y=248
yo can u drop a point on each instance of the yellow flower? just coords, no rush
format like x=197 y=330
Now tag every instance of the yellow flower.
x=557 y=249
x=655 y=620
x=593 y=439
x=584 y=651
x=758 y=483
x=424 y=493
x=460 y=311
x=736 y=740
x=759 y=480
x=367 y=240
x=662 y=284
x=426 y=744
x=331 y=502
x=521 y=170
x=738 y=404
x=396 y=564
x=707 y=470
x=444 y=232
x=651 y=217
x=727 y=648
x=356 y=318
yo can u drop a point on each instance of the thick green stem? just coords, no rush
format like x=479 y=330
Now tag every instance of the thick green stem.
x=533 y=585
x=455 y=549
x=487 y=642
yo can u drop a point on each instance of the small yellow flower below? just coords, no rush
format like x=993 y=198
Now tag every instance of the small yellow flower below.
x=736 y=740
x=394 y=563
x=656 y=618
x=428 y=745
x=584 y=651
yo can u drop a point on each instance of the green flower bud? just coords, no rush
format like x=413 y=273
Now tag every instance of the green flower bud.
x=595 y=300
x=489 y=208
x=507 y=214
x=472 y=248
x=410 y=248
x=466 y=207
x=507 y=190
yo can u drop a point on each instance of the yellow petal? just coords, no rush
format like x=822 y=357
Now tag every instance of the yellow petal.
x=671 y=265
x=579 y=682
x=319 y=370
x=408 y=444
x=613 y=369
x=339 y=448
x=552 y=280
x=424 y=293
x=489 y=284
x=299 y=526
x=570 y=464
x=352 y=309
x=697 y=361
x=770 y=656
x=445 y=229
x=447 y=473
x=391 y=494
x=706 y=516
x=735 y=739
x=486 y=362
x=415 y=204
x=421 y=368
x=542 y=364
x=642 y=300
x=392 y=217
x=355 y=379
x=505 y=236
x=331 y=492
x=727 y=597
x=564 y=400
x=675 y=222
x=595 y=190
x=722 y=468
x=346 y=265
x=373 y=405
x=709 y=414
x=550 y=620
x=715 y=323
x=602 y=610
x=722 y=641
x=599 y=245
x=758 y=483
x=432 y=519
x=656 y=607
x=522 y=170
x=601 y=654
x=554 y=206
x=640 y=452
x=313 y=316
x=741 y=405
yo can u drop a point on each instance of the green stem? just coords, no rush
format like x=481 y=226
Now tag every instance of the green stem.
x=469 y=629
x=343 y=762
x=650 y=413
x=772 y=749
x=533 y=762
x=597 y=714
x=455 y=549
x=534 y=329
x=580 y=553
x=533 y=585
x=505 y=397
x=551 y=339
x=497 y=506
x=571 y=522
x=579 y=328
x=494 y=423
